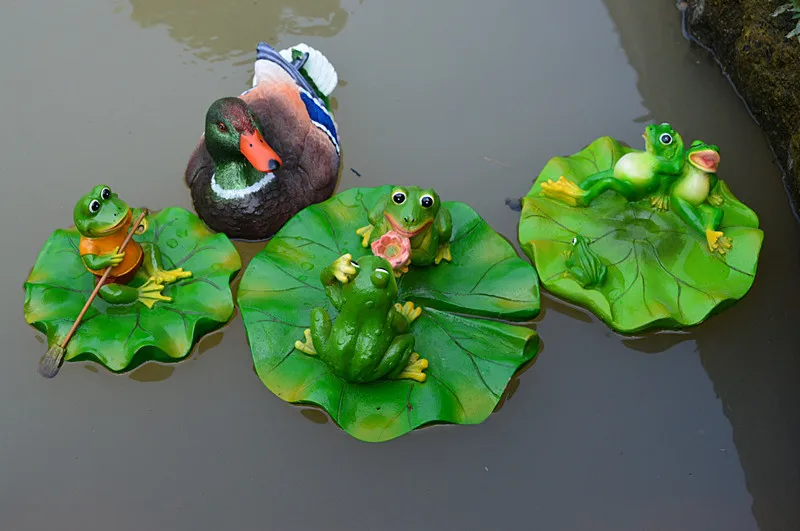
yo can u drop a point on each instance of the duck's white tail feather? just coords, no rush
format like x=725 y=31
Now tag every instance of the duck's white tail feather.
x=267 y=71
x=318 y=68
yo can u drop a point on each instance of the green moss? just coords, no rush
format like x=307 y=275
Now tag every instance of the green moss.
x=762 y=63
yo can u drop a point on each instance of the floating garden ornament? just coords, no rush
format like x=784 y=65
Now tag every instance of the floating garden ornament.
x=331 y=323
x=270 y=152
x=643 y=239
x=123 y=287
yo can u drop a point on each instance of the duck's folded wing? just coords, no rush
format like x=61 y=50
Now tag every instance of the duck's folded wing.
x=200 y=163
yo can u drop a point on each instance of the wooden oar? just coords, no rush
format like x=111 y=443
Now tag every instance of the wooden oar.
x=51 y=361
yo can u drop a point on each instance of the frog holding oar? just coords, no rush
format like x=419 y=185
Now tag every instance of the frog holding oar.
x=103 y=220
x=107 y=249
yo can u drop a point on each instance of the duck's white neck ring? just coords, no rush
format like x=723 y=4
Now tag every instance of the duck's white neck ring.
x=238 y=193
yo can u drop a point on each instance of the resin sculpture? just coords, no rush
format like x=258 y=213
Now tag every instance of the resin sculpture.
x=161 y=283
x=370 y=337
x=270 y=152
x=411 y=218
x=644 y=239
x=329 y=324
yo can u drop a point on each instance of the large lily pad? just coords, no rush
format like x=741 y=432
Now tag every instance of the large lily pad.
x=121 y=337
x=470 y=360
x=660 y=271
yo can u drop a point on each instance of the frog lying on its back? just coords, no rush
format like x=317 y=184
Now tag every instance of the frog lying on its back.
x=695 y=199
x=635 y=175
x=415 y=214
x=103 y=221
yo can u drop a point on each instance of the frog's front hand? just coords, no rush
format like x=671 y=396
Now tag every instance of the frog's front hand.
x=443 y=253
x=114 y=258
x=150 y=293
x=413 y=370
x=365 y=233
x=308 y=345
x=408 y=310
x=718 y=242
x=716 y=199
x=660 y=202
x=173 y=275
x=343 y=268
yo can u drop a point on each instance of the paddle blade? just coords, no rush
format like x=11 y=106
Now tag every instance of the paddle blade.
x=51 y=361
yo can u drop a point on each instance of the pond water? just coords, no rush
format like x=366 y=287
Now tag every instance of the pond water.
x=693 y=431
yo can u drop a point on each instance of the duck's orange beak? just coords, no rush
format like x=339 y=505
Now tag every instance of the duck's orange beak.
x=258 y=153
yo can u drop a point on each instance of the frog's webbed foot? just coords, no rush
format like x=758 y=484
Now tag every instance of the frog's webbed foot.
x=307 y=346
x=408 y=310
x=718 y=242
x=564 y=190
x=715 y=199
x=169 y=276
x=660 y=202
x=365 y=233
x=443 y=253
x=413 y=370
x=150 y=293
x=343 y=268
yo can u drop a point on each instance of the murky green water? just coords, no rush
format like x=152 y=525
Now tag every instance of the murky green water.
x=691 y=431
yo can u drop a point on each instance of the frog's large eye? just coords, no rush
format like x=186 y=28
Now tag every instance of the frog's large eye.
x=354 y=264
x=399 y=197
x=94 y=206
x=105 y=193
x=666 y=139
x=426 y=201
x=574 y=240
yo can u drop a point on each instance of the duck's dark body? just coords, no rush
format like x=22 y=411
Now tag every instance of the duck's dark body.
x=307 y=175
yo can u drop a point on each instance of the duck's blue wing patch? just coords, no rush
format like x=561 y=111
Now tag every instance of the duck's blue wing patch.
x=320 y=117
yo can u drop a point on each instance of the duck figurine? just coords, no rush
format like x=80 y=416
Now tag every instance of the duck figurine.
x=270 y=152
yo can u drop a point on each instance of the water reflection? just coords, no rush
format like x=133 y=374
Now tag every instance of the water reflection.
x=205 y=26
x=209 y=342
x=317 y=416
x=152 y=372
x=750 y=350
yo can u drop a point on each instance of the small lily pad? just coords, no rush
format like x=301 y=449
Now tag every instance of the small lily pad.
x=660 y=272
x=121 y=337
x=471 y=360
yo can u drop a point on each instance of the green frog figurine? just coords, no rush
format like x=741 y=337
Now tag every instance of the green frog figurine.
x=695 y=199
x=416 y=214
x=371 y=337
x=103 y=221
x=636 y=175
x=584 y=264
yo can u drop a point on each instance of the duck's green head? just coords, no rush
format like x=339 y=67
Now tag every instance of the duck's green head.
x=100 y=212
x=233 y=134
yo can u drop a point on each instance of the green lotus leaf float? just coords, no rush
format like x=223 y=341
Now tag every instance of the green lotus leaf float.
x=643 y=239
x=167 y=288
x=341 y=314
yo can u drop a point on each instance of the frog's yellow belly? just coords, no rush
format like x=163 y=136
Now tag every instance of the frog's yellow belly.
x=636 y=168
x=694 y=187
